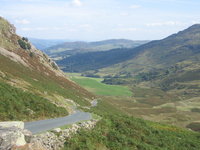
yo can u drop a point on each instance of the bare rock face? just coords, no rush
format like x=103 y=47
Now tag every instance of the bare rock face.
x=12 y=134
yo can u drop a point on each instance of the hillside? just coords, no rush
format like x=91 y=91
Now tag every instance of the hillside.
x=95 y=60
x=177 y=48
x=31 y=84
x=69 y=48
x=170 y=63
x=165 y=79
x=118 y=131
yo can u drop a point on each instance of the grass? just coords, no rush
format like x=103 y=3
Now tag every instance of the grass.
x=95 y=116
x=41 y=83
x=117 y=131
x=16 y=104
x=94 y=85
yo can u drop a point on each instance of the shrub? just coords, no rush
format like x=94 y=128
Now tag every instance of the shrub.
x=31 y=54
x=16 y=104
x=54 y=65
x=116 y=131
x=25 y=39
x=24 y=44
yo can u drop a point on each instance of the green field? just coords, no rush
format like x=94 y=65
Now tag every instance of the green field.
x=94 y=85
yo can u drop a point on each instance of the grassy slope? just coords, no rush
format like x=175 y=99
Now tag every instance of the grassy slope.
x=94 y=85
x=41 y=83
x=117 y=131
x=39 y=80
x=18 y=104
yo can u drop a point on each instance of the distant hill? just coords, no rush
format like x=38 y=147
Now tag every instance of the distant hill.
x=171 y=64
x=32 y=86
x=177 y=48
x=95 y=60
x=82 y=47
x=42 y=44
x=180 y=47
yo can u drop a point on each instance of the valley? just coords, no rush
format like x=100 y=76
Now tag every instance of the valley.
x=148 y=93
x=95 y=86
x=148 y=103
x=163 y=77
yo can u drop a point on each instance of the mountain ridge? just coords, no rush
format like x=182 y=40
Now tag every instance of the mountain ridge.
x=82 y=47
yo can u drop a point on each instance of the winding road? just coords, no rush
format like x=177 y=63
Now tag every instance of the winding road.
x=44 y=125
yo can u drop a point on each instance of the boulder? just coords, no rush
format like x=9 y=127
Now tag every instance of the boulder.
x=13 y=134
x=17 y=124
x=56 y=130
x=11 y=137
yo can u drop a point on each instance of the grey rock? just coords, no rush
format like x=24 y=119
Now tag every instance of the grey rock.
x=56 y=130
x=17 y=124
x=11 y=137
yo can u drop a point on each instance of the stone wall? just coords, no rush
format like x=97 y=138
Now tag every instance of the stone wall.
x=55 y=139
x=13 y=136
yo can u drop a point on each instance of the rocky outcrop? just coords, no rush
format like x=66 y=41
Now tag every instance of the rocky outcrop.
x=55 y=139
x=13 y=56
x=12 y=134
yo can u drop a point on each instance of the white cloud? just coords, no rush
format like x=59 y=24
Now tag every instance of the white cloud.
x=124 y=14
x=130 y=29
x=85 y=26
x=195 y=22
x=26 y=29
x=167 y=23
x=135 y=6
x=23 y=21
x=77 y=2
x=41 y=29
x=34 y=29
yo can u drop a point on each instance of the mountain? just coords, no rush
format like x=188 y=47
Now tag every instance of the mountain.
x=171 y=63
x=94 y=55
x=43 y=44
x=177 y=48
x=95 y=60
x=32 y=86
x=82 y=47
x=182 y=47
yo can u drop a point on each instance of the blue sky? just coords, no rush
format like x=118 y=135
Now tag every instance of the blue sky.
x=92 y=20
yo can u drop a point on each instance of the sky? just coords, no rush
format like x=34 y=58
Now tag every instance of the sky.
x=93 y=20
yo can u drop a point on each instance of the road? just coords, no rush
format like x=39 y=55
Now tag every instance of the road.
x=44 y=125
